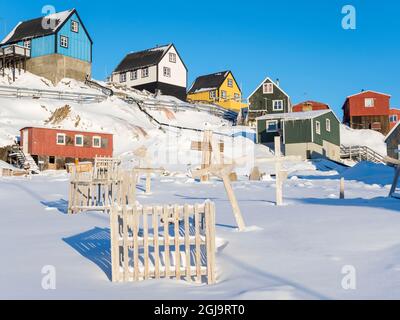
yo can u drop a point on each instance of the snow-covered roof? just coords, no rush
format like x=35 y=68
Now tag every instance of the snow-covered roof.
x=295 y=115
x=34 y=28
x=371 y=91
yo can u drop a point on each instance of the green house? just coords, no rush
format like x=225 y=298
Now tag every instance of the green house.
x=312 y=134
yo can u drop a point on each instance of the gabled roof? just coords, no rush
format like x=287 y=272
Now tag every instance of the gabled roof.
x=33 y=28
x=313 y=103
x=296 y=115
x=371 y=91
x=209 y=82
x=392 y=131
x=265 y=80
x=145 y=58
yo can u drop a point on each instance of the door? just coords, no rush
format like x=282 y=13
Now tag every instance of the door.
x=25 y=141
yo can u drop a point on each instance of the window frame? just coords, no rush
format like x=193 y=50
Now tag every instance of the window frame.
x=224 y=95
x=145 y=72
x=393 y=118
x=230 y=83
x=318 y=127
x=268 y=122
x=66 y=45
x=236 y=96
x=76 y=23
x=134 y=73
x=282 y=108
x=96 y=138
x=78 y=136
x=172 y=57
x=167 y=74
x=369 y=99
x=268 y=84
x=61 y=135
x=328 y=125
x=29 y=42
x=213 y=94
x=122 y=77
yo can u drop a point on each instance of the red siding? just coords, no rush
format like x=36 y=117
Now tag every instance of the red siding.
x=309 y=106
x=356 y=104
x=394 y=112
x=43 y=142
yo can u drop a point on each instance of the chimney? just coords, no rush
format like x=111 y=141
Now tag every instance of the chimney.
x=278 y=82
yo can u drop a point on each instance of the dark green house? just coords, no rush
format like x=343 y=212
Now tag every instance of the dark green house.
x=267 y=98
x=393 y=142
x=312 y=134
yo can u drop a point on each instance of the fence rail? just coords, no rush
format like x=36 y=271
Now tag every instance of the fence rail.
x=361 y=153
x=156 y=242
x=18 y=92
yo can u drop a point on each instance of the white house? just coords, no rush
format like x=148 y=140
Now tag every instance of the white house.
x=157 y=69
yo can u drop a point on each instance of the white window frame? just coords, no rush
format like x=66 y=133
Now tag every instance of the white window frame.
x=172 y=57
x=224 y=95
x=393 y=118
x=277 y=109
x=213 y=94
x=74 y=26
x=145 y=72
x=268 y=85
x=269 y=122
x=328 y=125
x=64 y=138
x=318 y=127
x=78 y=136
x=122 y=77
x=28 y=44
x=96 y=138
x=230 y=83
x=134 y=75
x=369 y=105
x=167 y=72
x=64 y=42
x=236 y=96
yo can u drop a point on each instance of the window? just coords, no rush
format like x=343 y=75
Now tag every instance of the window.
x=369 y=102
x=79 y=140
x=96 y=142
x=145 y=72
x=134 y=75
x=64 y=41
x=212 y=95
x=122 y=77
x=277 y=105
x=172 y=57
x=328 y=125
x=52 y=160
x=223 y=94
x=318 y=127
x=27 y=44
x=230 y=83
x=74 y=26
x=237 y=97
x=393 y=118
x=272 y=126
x=268 y=88
x=167 y=72
x=61 y=139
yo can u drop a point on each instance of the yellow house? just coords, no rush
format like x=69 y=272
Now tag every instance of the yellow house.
x=219 y=88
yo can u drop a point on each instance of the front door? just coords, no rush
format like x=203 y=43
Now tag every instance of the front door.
x=25 y=141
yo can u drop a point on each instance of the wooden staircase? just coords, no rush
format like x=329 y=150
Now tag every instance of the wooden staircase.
x=23 y=160
x=360 y=153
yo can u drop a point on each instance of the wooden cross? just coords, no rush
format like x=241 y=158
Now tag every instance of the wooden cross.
x=148 y=172
x=207 y=147
x=223 y=171
x=396 y=176
x=281 y=175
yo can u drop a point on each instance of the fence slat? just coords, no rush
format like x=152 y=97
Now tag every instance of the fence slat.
x=136 y=213
x=156 y=244
x=187 y=241
x=146 y=243
x=166 y=241
x=198 y=247
x=177 y=246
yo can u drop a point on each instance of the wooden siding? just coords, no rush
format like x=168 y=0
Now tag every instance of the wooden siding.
x=393 y=142
x=298 y=131
x=333 y=136
x=266 y=137
x=41 y=46
x=79 y=45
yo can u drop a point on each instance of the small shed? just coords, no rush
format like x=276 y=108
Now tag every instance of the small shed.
x=312 y=134
x=54 y=148
x=393 y=142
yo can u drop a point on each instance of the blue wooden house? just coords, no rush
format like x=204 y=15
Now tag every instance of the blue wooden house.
x=55 y=47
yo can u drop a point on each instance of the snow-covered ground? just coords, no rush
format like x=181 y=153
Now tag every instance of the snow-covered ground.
x=296 y=251
x=290 y=252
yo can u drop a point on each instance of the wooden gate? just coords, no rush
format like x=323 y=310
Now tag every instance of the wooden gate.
x=163 y=242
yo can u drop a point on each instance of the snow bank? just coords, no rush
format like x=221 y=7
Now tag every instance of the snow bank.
x=370 y=138
x=370 y=173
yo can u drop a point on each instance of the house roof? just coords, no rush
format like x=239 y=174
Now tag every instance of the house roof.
x=392 y=131
x=371 y=91
x=33 y=28
x=66 y=130
x=310 y=102
x=266 y=79
x=295 y=115
x=209 y=82
x=142 y=59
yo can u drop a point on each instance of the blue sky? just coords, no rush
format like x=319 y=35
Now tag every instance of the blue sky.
x=300 y=42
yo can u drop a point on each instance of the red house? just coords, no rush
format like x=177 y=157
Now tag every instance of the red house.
x=394 y=117
x=368 y=110
x=53 y=148
x=310 y=106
